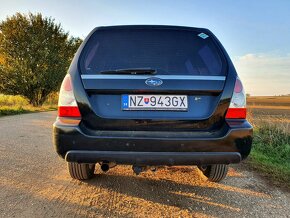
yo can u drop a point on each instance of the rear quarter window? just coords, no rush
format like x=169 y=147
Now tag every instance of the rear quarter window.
x=168 y=51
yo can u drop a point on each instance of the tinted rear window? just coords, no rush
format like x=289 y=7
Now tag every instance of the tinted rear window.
x=168 y=51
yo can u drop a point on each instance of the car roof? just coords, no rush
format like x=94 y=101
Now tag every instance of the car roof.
x=152 y=27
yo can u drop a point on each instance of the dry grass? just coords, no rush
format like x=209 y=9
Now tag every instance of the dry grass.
x=12 y=100
x=269 y=100
x=270 y=110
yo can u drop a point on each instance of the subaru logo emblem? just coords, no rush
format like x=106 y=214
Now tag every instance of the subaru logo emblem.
x=153 y=81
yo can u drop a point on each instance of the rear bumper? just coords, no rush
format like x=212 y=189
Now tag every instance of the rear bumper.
x=154 y=158
x=230 y=145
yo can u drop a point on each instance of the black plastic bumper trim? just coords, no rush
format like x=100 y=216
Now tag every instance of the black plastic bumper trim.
x=154 y=158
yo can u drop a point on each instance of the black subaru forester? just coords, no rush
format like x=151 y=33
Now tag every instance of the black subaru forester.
x=148 y=96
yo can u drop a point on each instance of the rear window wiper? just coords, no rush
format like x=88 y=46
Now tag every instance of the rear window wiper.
x=133 y=71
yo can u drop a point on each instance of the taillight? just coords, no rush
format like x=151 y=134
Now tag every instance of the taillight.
x=237 y=109
x=67 y=105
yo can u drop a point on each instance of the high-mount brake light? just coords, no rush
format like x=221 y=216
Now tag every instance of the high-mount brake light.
x=67 y=105
x=237 y=109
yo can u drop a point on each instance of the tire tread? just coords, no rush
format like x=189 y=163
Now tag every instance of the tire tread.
x=81 y=171
x=216 y=172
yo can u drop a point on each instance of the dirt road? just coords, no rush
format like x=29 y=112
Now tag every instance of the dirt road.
x=34 y=183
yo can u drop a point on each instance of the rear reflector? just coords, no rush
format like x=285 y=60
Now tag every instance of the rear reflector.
x=68 y=111
x=236 y=113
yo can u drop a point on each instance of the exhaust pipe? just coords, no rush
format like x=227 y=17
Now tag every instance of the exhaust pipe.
x=105 y=166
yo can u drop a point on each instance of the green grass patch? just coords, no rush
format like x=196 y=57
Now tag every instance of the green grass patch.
x=16 y=104
x=4 y=110
x=271 y=152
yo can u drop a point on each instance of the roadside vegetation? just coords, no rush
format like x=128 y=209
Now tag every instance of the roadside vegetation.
x=16 y=104
x=271 y=152
x=271 y=146
x=35 y=53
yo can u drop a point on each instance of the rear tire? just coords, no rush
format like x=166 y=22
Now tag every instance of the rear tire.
x=215 y=173
x=81 y=171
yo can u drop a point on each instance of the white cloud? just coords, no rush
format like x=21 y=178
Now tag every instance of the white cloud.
x=264 y=74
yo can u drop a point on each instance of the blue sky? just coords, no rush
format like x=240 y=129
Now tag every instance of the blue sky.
x=256 y=34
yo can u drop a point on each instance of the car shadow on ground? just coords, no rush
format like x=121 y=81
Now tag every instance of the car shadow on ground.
x=169 y=192
x=181 y=187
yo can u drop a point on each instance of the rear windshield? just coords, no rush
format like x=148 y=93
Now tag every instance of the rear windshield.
x=168 y=51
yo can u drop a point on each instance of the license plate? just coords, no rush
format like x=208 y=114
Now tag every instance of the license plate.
x=155 y=102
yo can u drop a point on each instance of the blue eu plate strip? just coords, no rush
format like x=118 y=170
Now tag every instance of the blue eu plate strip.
x=125 y=103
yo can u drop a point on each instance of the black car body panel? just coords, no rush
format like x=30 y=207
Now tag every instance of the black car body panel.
x=105 y=127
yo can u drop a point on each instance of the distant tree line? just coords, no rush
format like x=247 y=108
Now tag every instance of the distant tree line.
x=35 y=53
